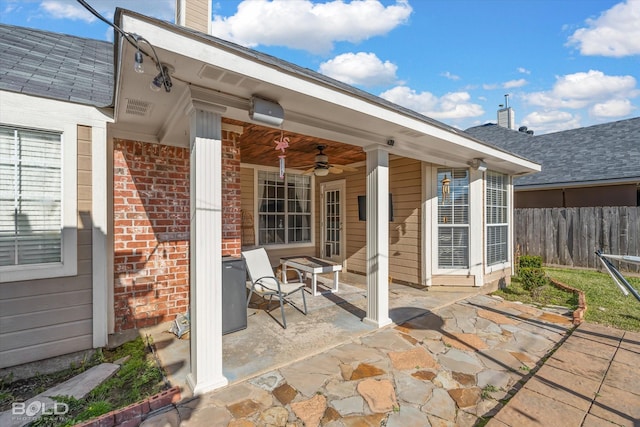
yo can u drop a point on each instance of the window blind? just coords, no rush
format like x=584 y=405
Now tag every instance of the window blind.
x=453 y=218
x=284 y=208
x=30 y=197
x=497 y=217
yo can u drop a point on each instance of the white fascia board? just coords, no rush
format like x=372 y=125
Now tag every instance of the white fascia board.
x=201 y=50
x=21 y=109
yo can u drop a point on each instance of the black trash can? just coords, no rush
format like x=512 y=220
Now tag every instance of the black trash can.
x=234 y=294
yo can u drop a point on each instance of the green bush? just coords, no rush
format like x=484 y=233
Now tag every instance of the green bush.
x=530 y=261
x=533 y=278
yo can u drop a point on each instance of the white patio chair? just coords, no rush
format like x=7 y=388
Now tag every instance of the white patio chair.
x=265 y=283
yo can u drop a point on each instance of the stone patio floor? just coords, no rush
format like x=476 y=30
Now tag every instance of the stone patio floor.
x=452 y=366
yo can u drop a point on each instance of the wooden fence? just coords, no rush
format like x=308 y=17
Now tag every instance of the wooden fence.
x=570 y=236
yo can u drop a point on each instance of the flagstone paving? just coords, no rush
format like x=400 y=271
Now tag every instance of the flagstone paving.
x=447 y=368
x=452 y=367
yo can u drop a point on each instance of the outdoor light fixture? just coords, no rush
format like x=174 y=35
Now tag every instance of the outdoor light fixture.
x=138 y=67
x=163 y=79
x=446 y=188
x=321 y=171
x=265 y=111
x=478 y=164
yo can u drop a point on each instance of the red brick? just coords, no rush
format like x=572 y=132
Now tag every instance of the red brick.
x=165 y=398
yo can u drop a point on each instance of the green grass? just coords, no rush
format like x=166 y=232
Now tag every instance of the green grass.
x=606 y=304
x=541 y=296
x=137 y=378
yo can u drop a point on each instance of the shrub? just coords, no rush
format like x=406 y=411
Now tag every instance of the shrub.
x=533 y=278
x=530 y=261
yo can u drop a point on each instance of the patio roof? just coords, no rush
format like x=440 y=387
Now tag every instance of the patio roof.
x=226 y=76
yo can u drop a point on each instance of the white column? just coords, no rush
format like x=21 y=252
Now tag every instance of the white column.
x=476 y=226
x=429 y=203
x=377 y=237
x=206 y=253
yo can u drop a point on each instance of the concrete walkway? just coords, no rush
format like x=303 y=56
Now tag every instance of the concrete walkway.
x=453 y=366
x=592 y=380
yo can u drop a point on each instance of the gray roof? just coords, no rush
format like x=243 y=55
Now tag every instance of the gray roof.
x=589 y=155
x=56 y=66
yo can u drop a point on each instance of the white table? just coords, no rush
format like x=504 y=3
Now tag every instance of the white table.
x=315 y=266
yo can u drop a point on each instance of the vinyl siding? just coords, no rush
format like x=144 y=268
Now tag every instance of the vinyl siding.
x=405 y=185
x=50 y=317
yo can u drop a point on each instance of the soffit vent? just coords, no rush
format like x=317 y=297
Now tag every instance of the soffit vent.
x=220 y=75
x=136 y=107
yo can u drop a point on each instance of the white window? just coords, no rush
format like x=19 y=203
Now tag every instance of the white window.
x=497 y=217
x=32 y=202
x=453 y=218
x=284 y=208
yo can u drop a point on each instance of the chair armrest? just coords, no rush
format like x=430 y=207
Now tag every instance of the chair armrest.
x=289 y=268
x=270 y=287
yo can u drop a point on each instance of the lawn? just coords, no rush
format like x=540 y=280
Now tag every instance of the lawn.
x=605 y=302
x=606 y=305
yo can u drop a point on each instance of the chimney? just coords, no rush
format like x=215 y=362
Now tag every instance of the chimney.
x=194 y=14
x=506 y=115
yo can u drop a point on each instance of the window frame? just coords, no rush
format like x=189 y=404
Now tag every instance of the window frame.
x=68 y=265
x=257 y=169
x=454 y=270
x=501 y=265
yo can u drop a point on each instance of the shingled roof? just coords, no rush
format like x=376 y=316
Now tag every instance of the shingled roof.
x=603 y=153
x=56 y=66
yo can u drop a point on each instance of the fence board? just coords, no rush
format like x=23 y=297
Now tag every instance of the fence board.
x=570 y=236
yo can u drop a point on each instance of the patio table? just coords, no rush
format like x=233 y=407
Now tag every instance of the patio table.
x=314 y=266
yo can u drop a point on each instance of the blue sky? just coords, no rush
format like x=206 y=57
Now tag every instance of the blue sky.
x=564 y=63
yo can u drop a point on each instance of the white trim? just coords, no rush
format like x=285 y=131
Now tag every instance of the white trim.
x=476 y=223
x=377 y=238
x=111 y=321
x=580 y=184
x=274 y=78
x=488 y=269
x=99 y=243
x=341 y=186
x=427 y=222
x=205 y=285
x=436 y=270
x=256 y=213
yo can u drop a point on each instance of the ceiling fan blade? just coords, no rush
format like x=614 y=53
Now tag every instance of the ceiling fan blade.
x=335 y=169
x=309 y=171
x=348 y=168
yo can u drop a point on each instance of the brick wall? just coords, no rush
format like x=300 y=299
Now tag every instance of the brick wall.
x=151 y=228
x=151 y=233
x=231 y=202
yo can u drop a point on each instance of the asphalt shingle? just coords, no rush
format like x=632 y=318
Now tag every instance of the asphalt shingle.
x=56 y=66
x=605 y=152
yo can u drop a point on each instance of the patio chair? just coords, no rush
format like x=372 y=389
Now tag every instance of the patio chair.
x=265 y=283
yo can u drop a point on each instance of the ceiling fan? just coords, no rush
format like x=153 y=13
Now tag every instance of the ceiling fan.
x=322 y=167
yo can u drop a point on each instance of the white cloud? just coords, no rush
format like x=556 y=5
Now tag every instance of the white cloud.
x=450 y=76
x=551 y=121
x=304 y=25
x=514 y=83
x=360 y=68
x=580 y=90
x=523 y=70
x=65 y=10
x=616 y=32
x=72 y=10
x=506 y=85
x=612 y=108
x=454 y=105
